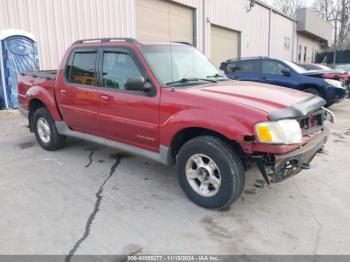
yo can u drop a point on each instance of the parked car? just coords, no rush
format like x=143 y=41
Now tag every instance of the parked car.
x=172 y=105
x=329 y=73
x=345 y=68
x=286 y=74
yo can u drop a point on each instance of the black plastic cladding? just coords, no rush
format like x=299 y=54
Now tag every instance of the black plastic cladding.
x=299 y=110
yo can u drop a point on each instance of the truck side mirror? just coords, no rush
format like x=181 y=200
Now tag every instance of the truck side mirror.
x=137 y=83
x=286 y=72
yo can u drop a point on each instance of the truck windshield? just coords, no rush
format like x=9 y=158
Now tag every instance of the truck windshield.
x=180 y=65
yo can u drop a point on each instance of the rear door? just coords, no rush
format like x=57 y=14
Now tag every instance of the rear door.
x=272 y=74
x=130 y=117
x=78 y=98
x=245 y=70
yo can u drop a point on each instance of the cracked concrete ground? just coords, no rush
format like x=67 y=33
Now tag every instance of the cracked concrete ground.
x=88 y=199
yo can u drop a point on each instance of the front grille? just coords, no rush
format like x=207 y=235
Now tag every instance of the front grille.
x=313 y=122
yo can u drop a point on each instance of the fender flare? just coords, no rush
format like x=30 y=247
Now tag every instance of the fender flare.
x=46 y=97
x=229 y=127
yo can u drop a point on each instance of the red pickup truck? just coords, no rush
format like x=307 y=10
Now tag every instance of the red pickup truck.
x=168 y=103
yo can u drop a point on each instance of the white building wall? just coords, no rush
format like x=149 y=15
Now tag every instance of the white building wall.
x=312 y=45
x=283 y=37
x=253 y=25
x=56 y=24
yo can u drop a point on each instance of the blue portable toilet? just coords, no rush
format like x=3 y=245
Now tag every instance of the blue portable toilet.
x=18 y=53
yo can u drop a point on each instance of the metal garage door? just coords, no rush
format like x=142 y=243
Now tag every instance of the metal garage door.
x=224 y=44
x=152 y=21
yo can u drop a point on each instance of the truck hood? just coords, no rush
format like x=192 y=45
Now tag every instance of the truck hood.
x=267 y=98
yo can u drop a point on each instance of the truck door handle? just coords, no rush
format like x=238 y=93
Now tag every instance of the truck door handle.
x=63 y=92
x=104 y=98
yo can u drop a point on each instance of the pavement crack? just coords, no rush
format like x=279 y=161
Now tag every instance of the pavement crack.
x=96 y=209
x=90 y=157
x=320 y=227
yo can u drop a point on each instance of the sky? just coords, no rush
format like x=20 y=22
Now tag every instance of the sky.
x=270 y=2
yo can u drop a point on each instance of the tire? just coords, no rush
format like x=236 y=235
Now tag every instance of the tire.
x=317 y=93
x=228 y=168
x=313 y=91
x=48 y=137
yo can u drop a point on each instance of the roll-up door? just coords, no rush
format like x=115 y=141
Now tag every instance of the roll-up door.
x=159 y=20
x=224 y=44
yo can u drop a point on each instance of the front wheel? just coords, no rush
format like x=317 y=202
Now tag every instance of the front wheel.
x=46 y=132
x=313 y=91
x=210 y=172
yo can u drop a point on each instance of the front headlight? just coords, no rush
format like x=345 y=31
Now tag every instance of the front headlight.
x=334 y=83
x=280 y=132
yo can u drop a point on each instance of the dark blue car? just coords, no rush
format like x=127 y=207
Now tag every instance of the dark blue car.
x=287 y=74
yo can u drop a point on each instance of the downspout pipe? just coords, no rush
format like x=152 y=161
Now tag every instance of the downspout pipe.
x=293 y=42
x=269 y=35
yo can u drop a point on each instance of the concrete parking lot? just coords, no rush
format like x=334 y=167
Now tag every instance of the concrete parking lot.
x=88 y=199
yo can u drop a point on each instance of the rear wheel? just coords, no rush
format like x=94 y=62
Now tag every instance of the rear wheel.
x=46 y=132
x=210 y=172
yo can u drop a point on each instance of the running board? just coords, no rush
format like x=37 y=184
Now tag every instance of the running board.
x=164 y=155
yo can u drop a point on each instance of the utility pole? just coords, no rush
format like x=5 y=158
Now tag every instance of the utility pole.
x=335 y=42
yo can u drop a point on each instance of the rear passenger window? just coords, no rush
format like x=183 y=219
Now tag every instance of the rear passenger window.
x=249 y=67
x=244 y=67
x=117 y=69
x=81 y=68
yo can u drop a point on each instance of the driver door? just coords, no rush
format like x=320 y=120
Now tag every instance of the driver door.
x=130 y=117
x=272 y=74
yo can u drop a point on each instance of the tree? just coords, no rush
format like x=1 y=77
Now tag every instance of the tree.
x=338 y=13
x=289 y=7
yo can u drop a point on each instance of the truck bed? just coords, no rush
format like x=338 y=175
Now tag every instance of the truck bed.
x=42 y=81
x=50 y=74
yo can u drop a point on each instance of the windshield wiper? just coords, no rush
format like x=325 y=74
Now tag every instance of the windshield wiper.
x=216 y=76
x=186 y=80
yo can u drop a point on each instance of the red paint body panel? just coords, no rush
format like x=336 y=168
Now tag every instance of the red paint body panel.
x=130 y=118
x=42 y=89
x=230 y=108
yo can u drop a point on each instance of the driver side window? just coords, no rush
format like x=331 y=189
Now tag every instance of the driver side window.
x=272 y=68
x=117 y=69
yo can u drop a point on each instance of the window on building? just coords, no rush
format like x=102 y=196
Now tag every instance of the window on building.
x=81 y=69
x=117 y=69
x=299 y=53
x=305 y=54
x=287 y=43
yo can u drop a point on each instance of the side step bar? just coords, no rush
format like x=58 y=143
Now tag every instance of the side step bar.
x=164 y=155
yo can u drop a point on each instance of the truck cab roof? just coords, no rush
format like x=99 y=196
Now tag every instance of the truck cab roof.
x=121 y=41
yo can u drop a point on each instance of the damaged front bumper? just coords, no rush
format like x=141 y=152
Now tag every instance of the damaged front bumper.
x=279 y=167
